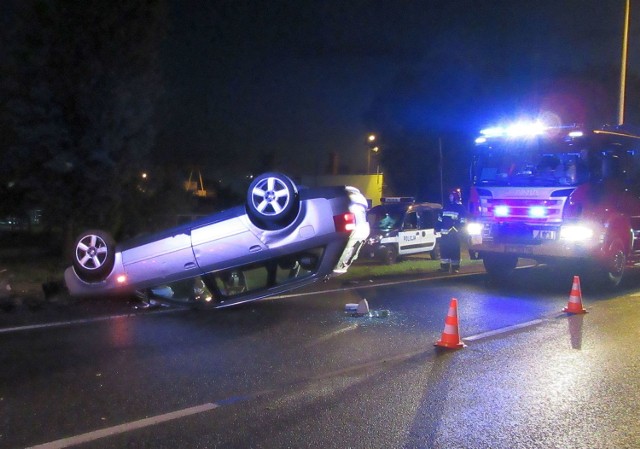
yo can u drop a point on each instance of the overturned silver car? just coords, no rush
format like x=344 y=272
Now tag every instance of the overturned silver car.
x=284 y=237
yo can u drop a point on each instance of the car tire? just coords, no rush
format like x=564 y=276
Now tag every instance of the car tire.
x=390 y=255
x=272 y=200
x=94 y=255
x=435 y=252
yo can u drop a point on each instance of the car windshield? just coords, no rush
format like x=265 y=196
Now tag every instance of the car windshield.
x=386 y=218
x=529 y=165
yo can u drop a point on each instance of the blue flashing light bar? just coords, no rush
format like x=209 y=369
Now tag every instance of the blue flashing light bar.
x=528 y=129
x=518 y=129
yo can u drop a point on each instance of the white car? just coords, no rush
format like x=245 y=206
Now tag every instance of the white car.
x=282 y=238
x=402 y=227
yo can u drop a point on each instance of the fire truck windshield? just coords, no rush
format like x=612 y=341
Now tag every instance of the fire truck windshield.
x=529 y=165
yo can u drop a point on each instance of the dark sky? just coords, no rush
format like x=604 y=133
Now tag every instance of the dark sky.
x=296 y=78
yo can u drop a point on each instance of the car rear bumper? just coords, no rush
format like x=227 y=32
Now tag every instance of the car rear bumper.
x=114 y=284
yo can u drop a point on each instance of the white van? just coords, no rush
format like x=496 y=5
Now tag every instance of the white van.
x=400 y=227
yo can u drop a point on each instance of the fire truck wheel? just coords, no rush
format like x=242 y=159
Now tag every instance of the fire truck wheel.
x=615 y=264
x=499 y=266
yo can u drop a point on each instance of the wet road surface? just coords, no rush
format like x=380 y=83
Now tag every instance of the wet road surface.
x=298 y=371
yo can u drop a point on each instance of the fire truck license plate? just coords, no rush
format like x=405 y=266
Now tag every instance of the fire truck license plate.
x=520 y=249
x=544 y=235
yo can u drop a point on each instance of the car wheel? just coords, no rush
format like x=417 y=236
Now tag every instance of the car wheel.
x=272 y=199
x=390 y=255
x=94 y=255
x=435 y=252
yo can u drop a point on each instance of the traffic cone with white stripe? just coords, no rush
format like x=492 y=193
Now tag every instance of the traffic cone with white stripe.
x=450 y=336
x=575 y=298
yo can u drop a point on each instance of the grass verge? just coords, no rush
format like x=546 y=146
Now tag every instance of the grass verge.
x=368 y=269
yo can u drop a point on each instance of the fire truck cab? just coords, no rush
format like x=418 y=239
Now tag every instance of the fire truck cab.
x=556 y=194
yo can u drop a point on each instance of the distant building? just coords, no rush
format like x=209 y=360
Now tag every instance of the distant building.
x=371 y=186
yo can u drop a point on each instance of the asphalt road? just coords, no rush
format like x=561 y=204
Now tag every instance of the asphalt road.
x=298 y=371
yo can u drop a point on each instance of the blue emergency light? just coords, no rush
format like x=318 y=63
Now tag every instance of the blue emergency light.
x=518 y=129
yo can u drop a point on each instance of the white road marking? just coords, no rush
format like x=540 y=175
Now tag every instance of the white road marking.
x=8 y=330
x=29 y=327
x=127 y=427
x=134 y=425
x=503 y=330
x=330 y=335
x=369 y=285
x=385 y=284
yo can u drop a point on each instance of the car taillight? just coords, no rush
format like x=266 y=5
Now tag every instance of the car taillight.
x=345 y=222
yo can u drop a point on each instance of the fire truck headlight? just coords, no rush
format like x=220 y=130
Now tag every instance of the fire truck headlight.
x=474 y=229
x=576 y=233
x=537 y=211
x=501 y=211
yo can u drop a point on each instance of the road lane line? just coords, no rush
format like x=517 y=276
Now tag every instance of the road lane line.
x=331 y=335
x=127 y=427
x=373 y=284
x=503 y=330
x=29 y=327
x=369 y=285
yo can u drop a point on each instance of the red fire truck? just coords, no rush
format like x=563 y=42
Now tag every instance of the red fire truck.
x=556 y=194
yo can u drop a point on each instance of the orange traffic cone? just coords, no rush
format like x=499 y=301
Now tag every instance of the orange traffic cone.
x=450 y=336
x=575 y=298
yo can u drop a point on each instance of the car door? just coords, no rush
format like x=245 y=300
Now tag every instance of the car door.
x=166 y=258
x=427 y=222
x=226 y=244
x=410 y=236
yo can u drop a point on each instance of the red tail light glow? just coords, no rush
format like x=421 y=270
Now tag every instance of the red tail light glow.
x=345 y=222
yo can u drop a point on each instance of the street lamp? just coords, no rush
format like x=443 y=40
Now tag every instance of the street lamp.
x=371 y=148
x=374 y=150
x=623 y=68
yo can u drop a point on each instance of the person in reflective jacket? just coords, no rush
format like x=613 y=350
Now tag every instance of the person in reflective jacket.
x=450 y=223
